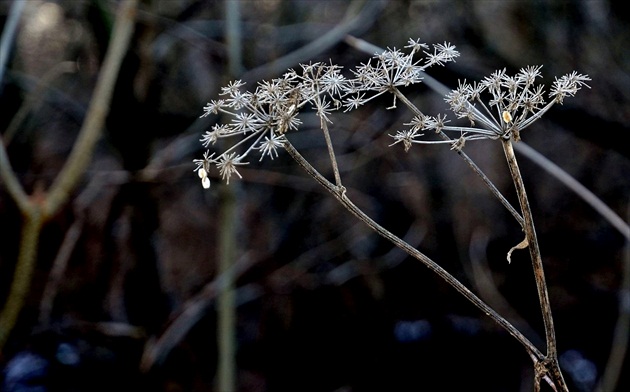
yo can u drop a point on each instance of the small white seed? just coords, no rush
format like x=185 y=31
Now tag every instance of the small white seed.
x=507 y=117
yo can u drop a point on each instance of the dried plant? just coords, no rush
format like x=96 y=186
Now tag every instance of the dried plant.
x=499 y=107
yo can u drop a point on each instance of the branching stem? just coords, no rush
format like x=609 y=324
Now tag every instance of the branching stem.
x=467 y=159
x=42 y=206
x=534 y=353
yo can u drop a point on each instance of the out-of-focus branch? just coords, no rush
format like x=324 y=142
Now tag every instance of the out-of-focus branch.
x=36 y=210
x=194 y=309
x=22 y=275
x=579 y=189
x=8 y=33
x=621 y=334
x=228 y=227
x=12 y=183
x=36 y=96
x=97 y=111
x=358 y=14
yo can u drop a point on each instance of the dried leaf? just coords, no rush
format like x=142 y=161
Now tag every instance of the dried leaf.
x=521 y=245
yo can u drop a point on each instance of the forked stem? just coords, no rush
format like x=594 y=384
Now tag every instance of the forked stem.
x=397 y=93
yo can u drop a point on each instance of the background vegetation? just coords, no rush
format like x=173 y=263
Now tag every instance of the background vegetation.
x=323 y=304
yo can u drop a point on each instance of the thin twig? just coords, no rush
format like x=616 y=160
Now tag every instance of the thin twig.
x=228 y=227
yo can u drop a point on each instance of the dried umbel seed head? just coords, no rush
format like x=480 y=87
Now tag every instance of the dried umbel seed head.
x=517 y=99
x=259 y=119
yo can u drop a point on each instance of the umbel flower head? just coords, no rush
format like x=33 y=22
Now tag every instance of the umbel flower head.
x=260 y=119
x=500 y=106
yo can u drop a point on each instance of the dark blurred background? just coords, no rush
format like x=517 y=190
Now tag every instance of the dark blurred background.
x=323 y=303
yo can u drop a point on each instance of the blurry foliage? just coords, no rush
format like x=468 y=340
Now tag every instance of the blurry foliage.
x=322 y=306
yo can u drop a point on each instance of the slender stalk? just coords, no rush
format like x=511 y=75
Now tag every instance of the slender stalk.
x=331 y=153
x=228 y=219
x=467 y=159
x=340 y=195
x=534 y=250
x=226 y=301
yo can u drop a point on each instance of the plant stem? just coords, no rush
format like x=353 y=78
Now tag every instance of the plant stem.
x=331 y=153
x=534 y=353
x=226 y=300
x=228 y=221
x=534 y=250
x=467 y=159
x=23 y=272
